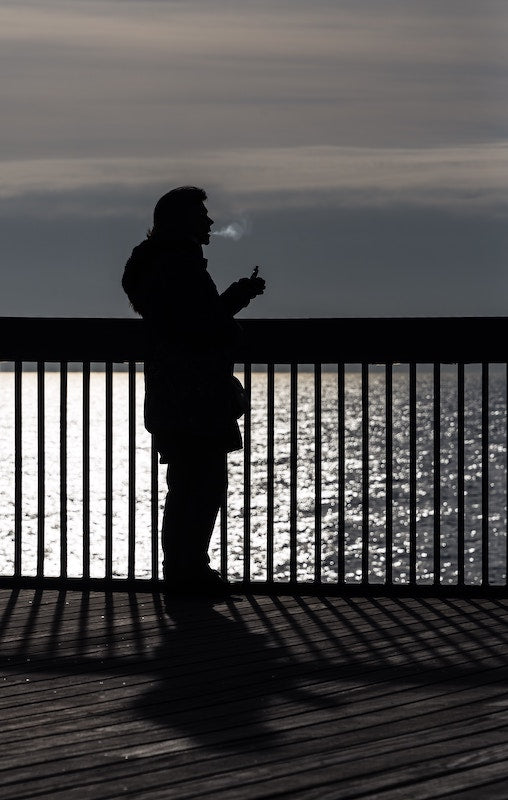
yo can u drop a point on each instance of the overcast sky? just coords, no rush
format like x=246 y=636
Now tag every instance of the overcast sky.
x=362 y=145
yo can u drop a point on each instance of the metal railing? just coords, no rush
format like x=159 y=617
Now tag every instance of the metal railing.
x=390 y=438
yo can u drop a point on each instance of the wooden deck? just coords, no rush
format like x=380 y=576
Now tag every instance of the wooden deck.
x=108 y=696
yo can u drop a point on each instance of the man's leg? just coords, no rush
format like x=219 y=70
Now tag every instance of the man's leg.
x=197 y=482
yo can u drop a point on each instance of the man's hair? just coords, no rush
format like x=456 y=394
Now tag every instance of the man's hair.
x=177 y=205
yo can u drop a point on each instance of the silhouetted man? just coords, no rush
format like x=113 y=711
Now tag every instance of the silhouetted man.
x=192 y=400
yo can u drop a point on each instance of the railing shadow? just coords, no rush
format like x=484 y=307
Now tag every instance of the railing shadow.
x=235 y=675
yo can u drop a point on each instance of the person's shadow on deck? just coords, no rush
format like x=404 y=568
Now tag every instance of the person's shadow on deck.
x=220 y=681
x=204 y=675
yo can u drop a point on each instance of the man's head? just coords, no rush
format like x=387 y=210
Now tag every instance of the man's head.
x=183 y=211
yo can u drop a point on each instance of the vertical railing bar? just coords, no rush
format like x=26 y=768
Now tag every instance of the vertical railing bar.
x=341 y=474
x=154 y=508
x=365 y=473
x=485 y=474
x=41 y=466
x=293 y=466
x=63 y=468
x=317 y=473
x=109 y=470
x=247 y=376
x=131 y=558
x=18 y=467
x=389 y=473
x=506 y=475
x=86 y=469
x=270 y=470
x=223 y=514
x=412 y=473
x=223 y=522
x=437 y=474
x=460 y=475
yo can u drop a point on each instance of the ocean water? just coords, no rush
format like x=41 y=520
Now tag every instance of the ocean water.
x=258 y=499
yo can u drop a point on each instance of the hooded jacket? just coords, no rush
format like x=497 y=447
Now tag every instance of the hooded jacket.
x=190 y=391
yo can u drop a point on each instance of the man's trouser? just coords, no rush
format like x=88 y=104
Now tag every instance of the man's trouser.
x=197 y=483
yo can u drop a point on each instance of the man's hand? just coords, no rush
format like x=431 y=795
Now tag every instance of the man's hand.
x=240 y=293
x=252 y=286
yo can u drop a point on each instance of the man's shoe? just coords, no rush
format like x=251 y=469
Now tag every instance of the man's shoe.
x=211 y=582
x=205 y=582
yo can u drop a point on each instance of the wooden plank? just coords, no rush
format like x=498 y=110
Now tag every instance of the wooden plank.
x=314 y=770
x=314 y=697
x=252 y=654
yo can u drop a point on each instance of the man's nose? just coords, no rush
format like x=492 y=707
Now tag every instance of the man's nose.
x=210 y=221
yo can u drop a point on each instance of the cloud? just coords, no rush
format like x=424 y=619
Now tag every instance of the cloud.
x=370 y=32
x=107 y=78
x=467 y=178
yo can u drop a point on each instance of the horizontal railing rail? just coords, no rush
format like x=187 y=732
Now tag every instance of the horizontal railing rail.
x=445 y=340
x=374 y=456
